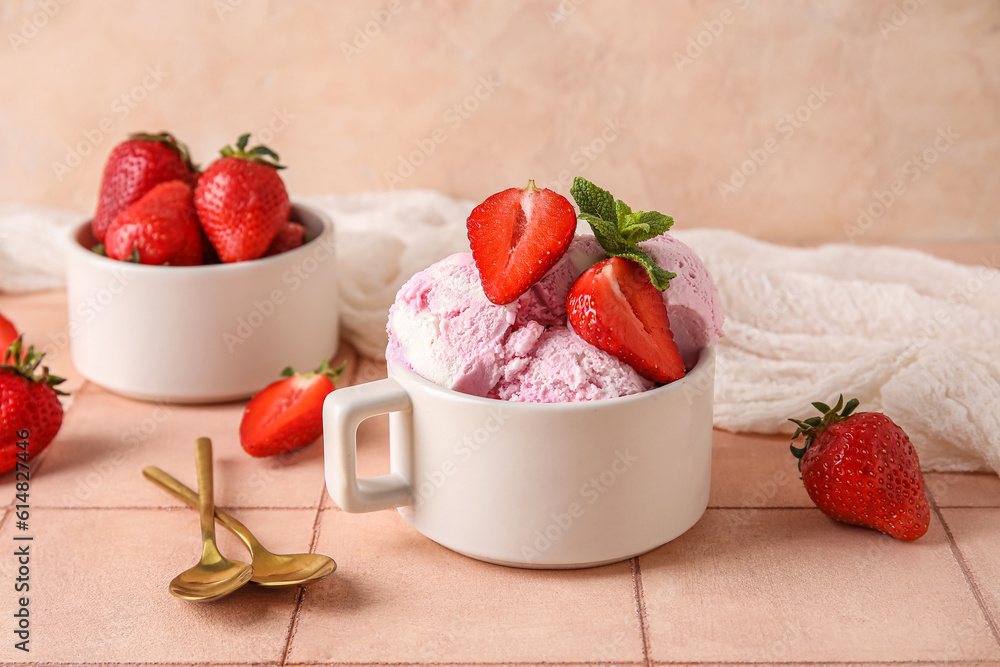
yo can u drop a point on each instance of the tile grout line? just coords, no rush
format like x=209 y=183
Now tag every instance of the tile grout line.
x=302 y=591
x=640 y=610
x=956 y=552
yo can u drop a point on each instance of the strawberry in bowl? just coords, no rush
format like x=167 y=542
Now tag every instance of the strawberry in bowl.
x=202 y=293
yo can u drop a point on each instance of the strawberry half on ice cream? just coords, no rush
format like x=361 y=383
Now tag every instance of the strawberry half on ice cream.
x=616 y=304
x=518 y=235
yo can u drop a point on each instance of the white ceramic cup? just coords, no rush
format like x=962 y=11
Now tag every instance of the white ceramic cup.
x=200 y=334
x=535 y=485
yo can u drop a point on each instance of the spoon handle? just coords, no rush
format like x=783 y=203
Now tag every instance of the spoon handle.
x=206 y=502
x=186 y=495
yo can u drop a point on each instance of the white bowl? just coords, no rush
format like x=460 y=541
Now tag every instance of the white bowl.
x=201 y=334
x=536 y=485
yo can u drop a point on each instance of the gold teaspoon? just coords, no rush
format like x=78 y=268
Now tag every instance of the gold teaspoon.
x=268 y=569
x=213 y=576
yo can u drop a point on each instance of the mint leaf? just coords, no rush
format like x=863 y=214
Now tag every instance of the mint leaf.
x=659 y=277
x=592 y=200
x=642 y=226
x=606 y=233
x=622 y=212
x=618 y=229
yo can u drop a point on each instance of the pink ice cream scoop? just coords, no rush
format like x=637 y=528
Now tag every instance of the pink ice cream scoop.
x=553 y=365
x=444 y=328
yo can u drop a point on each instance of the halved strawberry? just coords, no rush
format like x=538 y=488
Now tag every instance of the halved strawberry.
x=518 y=235
x=614 y=306
x=287 y=414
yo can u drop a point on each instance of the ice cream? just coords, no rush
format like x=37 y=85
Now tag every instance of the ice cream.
x=443 y=328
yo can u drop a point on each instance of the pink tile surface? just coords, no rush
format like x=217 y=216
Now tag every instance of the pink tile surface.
x=106 y=440
x=400 y=597
x=978 y=542
x=754 y=471
x=964 y=489
x=43 y=320
x=97 y=460
x=99 y=588
x=792 y=585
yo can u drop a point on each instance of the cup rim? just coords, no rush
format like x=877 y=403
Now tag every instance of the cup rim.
x=85 y=254
x=703 y=366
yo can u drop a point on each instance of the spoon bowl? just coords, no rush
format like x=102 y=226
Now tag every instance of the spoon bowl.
x=213 y=576
x=269 y=569
x=291 y=569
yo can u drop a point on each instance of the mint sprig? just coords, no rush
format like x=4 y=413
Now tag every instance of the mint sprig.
x=619 y=229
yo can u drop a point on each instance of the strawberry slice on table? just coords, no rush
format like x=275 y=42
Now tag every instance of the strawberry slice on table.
x=134 y=167
x=289 y=237
x=862 y=469
x=287 y=414
x=614 y=306
x=30 y=411
x=8 y=334
x=160 y=228
x=242 y=202
x=518 y=235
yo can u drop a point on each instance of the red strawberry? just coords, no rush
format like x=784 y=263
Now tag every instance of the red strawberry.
x=862 y=469
x=160 y=228
x=517 y=236
x=614 y=306
x=30 y=410
x=133 y=168
x=287 y=414
x=242 y=202
x=8 y=334
x=289 y=237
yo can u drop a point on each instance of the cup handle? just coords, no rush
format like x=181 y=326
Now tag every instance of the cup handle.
x=343 y=411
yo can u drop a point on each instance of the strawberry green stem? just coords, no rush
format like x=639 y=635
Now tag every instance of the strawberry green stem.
x=812 y=428
x=27 y=363
x=258 y=154
x=170 y=141
x=324 y=369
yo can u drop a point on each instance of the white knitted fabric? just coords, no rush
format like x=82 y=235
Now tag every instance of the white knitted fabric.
x=908 y=334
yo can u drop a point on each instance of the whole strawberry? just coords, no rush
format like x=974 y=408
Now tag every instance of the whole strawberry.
x=30 y=410
x=242 y=202
x=516 y=236
x=862 y=469
x=616 y=304
x=287 y=414
x=160 y=228
x=289 y=237
x=134 y=167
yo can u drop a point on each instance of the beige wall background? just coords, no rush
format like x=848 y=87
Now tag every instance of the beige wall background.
x=870 y=121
